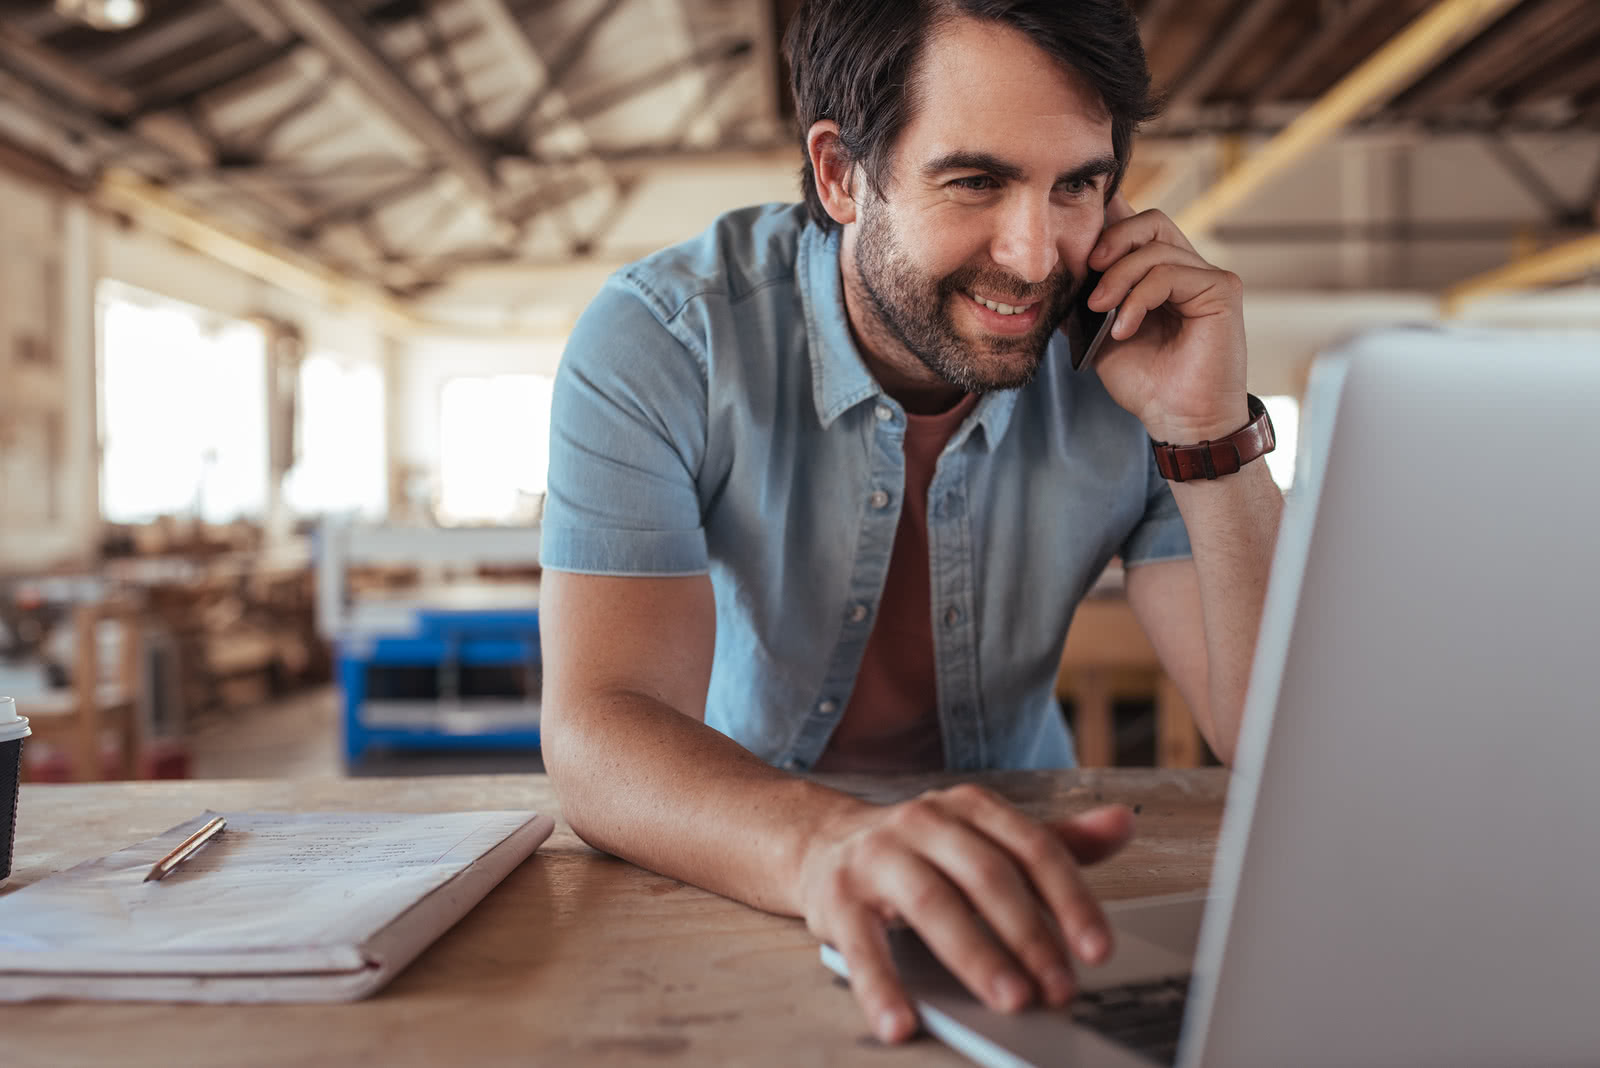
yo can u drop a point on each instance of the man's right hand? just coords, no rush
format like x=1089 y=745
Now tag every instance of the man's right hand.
x=950 y=864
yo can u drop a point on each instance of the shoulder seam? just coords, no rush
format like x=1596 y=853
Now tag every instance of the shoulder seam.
x=667 y=312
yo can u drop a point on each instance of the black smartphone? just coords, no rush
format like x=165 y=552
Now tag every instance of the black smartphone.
x=1087 y=329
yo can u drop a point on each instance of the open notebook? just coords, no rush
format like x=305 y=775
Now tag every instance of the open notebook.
x=278 y=907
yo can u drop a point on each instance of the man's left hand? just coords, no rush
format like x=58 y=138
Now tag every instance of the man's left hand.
x=1176 y=356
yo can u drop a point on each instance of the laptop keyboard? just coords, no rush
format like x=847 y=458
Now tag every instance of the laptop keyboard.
x=1145 y=1017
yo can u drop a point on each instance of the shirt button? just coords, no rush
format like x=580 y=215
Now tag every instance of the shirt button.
x=794 y=764
x=858 y=613
x=828 y=708
x=880 y=500
x=884 y=413
x=952 y=616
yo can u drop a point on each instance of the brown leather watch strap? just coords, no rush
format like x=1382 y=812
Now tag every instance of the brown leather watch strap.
x=1213 y=459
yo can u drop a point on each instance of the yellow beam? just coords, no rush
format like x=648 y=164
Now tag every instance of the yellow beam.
x=169 y=215
x=164 y=213
x=1389 y=70
x=1564 y=261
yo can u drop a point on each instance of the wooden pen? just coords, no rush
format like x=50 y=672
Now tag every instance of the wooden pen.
x=186 y=849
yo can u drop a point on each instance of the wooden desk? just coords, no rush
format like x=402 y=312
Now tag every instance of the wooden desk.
x=576 y=958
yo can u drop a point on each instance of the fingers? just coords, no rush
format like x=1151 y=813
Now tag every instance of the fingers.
x=1049 y=867
x=1129 y=232
x=928 y=900
x=980 y=860
x=859 y=937
x=1127 y=272
x=996 y=896
x=1193 y=291
x=1097 y=834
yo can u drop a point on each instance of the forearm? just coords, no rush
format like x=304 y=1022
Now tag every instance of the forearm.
x=1233 y=526
x=649 y=784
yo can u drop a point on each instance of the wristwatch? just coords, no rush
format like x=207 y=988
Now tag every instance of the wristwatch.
x=1213 y=459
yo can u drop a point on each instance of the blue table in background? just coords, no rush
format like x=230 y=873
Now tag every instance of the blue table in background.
x=455 y=668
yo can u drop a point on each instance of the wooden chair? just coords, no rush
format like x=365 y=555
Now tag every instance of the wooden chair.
x=1107 y=657
x=76 y=720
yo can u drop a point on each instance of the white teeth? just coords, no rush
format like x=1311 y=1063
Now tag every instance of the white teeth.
x=1003 y=309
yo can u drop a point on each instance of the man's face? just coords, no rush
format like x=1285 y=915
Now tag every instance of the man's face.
x=995 y=198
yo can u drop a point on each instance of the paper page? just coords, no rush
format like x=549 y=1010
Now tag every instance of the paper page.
x=273 y=892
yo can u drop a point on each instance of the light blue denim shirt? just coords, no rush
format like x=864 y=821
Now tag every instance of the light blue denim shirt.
x=713 y=415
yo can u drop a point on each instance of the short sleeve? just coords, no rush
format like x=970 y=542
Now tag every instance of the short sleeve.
x=1160 y=534
x=627 y=435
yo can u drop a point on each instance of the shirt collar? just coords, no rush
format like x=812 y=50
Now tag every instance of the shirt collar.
x=839 y=376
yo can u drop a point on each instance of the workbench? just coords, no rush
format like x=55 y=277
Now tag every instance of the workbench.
x=576 y=958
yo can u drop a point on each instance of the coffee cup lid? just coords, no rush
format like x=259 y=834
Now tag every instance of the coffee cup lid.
x=11 y=724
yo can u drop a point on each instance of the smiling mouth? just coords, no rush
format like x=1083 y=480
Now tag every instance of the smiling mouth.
x=1001 y=307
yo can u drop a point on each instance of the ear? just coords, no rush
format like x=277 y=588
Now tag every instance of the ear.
x=835 y=175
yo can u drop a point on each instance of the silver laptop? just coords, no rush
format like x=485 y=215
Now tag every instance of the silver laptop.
x=1409 y=866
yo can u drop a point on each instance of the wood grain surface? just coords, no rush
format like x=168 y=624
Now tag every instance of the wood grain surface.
x=576 y=958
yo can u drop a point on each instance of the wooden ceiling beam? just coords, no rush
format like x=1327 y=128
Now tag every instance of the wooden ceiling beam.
x=58 y=111
x=54 y=69
x=1521 y=38
x=1315 y=49
x=157 y=146
x=1559 y=264
x=155 y=41
x=367 y=202
x=255 y=255
x=1564 y=73
x=338 y=32
x=553 y=73
x=1438 y=32
x=36 y=168
x=1592 y=198
x=598 y=101
x=1219 y=54
x=295 y=174
x=186 y=82
x=1534 y=183
x=443 y=55
x=1153 y=20
x=506 y=26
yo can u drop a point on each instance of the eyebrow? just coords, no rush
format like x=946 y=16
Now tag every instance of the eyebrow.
x=999 y=168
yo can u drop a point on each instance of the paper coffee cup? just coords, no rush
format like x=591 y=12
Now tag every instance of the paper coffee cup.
x=11 y=724
x=13 y=728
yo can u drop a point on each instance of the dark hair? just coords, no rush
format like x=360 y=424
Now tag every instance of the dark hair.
x=855 y=62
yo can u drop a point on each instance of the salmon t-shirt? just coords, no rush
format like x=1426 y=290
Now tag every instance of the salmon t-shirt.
x=892 y=720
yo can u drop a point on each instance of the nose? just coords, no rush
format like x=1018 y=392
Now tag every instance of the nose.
x=1025 y=241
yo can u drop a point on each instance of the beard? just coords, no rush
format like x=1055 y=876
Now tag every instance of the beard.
x=918 y=311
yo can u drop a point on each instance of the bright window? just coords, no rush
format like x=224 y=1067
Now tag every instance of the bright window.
x=340 y=466
x=1284 y=411
x=183 y=409
x=494 y=440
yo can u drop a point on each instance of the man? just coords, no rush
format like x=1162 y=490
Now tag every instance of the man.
x=824 y=493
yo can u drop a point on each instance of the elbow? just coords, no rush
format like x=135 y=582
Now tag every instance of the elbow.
x=563 y=750
x=556 y=750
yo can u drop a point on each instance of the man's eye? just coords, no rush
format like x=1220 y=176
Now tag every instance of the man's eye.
x=1077 y=187
x=977 y=183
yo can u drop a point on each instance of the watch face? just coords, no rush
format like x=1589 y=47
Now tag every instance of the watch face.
x=1086 y=328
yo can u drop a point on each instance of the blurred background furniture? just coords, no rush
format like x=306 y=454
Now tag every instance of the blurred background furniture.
x=1107 y=659
x=104 y=699
x=452 y=662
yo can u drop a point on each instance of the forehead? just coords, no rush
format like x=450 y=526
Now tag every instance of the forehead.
x=986 y=86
